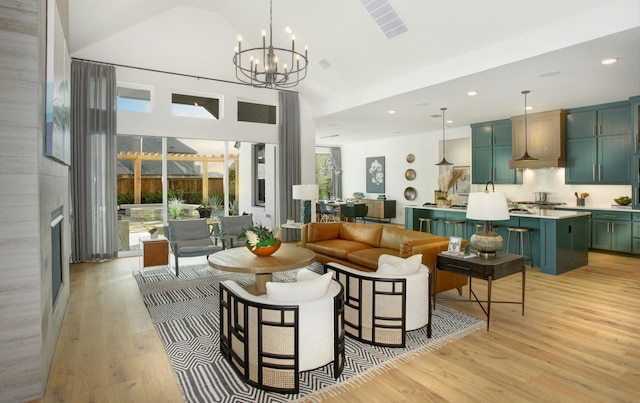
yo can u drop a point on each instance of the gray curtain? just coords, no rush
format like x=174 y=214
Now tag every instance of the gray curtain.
x=93 y=161
x=289 y=159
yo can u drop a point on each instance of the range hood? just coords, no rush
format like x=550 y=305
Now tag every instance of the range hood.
x=545 y=139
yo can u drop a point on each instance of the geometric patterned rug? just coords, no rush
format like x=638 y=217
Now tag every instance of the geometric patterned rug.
x=185 y=314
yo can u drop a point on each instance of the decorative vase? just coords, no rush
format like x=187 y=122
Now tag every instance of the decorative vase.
x=438 y=194
x=154 y=235
x=265 y=250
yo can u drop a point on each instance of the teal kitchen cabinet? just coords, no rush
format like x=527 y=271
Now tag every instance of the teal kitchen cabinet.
x=491 y=152
x=611 y=231
x=564 y=243
x=599 y=145
x=635 y=232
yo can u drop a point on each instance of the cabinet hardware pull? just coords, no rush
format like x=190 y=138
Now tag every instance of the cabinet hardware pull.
x=608 y=224
x=600 y=129
x=594 y=172
x=595 y=130
x=613 y=227
x=599 y=172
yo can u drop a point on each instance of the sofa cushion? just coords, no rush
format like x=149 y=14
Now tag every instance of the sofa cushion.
x=317 y=232
x=396 y=266
x=392 y=237
x=338 y=248
x=364 y=233
x=369 y=257
x=300 y=290
x=412 y=247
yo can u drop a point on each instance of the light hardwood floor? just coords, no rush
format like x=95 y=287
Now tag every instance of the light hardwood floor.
x=579 y=341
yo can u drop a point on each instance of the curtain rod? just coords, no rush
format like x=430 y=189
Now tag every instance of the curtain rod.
x=169 y=72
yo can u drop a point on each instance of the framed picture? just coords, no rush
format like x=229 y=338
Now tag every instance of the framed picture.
x=454 y=244
x=375 y=174
x=463 y=185
x=58 y=96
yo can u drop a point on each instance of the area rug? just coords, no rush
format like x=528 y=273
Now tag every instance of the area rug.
x=185 y=313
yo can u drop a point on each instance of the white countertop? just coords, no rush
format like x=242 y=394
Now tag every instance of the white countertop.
x=547 y=214
x=604 y=207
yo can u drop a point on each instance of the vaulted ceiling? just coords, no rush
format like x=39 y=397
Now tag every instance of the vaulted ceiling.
x=496 y=47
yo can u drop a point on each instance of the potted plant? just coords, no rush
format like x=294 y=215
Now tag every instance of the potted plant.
x=153 y=232
x=358 y=195
x=260 y=240
x=175 y=207
x=291 y=220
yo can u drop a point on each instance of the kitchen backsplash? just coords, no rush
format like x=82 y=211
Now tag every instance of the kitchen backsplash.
x=552 y=181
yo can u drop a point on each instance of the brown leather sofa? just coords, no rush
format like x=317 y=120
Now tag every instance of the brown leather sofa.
x=360 y=245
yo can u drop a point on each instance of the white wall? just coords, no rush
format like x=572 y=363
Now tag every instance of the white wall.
x=427 y=151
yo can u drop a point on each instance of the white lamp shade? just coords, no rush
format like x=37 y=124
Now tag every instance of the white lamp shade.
x=491 y=206
x=305 y=192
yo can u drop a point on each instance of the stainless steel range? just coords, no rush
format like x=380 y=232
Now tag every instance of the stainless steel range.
x=543 y=205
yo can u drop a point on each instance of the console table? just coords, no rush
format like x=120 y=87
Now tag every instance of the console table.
x=381 y=209
x=489 y=269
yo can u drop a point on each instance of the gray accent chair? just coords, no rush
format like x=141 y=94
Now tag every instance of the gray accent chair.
x=230 y=227
x=189 y=238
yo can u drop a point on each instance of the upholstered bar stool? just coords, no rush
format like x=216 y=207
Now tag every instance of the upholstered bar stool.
x=426 y=221
x=453 y=224
x=518 y=238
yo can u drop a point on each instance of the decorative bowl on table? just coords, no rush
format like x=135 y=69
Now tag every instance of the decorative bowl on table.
x=265 y=250
x=622 y=200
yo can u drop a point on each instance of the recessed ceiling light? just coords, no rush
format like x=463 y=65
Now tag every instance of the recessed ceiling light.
x=609 y=61
x=391 y=112
x=529 y=108
x=449 y=121
x=472 y=93
x=548 y=74
x=288 y=30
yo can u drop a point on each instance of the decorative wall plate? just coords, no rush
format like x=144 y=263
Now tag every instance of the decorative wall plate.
x=410 y=158
x=410 y=174
x=410 y=193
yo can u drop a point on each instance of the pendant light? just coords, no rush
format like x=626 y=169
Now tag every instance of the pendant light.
x=444 y=159
x=525 y=156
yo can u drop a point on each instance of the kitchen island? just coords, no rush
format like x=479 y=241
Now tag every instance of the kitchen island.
x=559 y=238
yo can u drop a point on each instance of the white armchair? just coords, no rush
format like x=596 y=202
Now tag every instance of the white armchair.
x=381 y=308
x=260 y=335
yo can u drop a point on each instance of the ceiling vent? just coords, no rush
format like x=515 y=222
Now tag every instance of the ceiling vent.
x=385 y=16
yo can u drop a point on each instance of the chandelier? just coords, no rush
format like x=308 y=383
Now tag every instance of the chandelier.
x=329 y=167
x=261 y=67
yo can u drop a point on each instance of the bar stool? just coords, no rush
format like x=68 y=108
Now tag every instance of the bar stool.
x=518 y=249
x=454 y=225
x=427 y=221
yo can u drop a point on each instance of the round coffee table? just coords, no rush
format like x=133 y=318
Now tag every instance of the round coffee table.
x=241 y=260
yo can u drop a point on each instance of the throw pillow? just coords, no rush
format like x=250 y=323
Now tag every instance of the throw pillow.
x=300 y=290
x=396 y=266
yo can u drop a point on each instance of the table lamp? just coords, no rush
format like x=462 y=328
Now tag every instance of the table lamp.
x=305 y=193
x=487 y=206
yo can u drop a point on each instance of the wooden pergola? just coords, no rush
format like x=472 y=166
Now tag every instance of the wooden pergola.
x=138 y=157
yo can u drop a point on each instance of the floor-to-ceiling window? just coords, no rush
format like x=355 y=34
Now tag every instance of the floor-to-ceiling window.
x=195 y=175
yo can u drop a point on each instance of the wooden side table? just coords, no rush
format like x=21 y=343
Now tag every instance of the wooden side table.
x=155 y=252
x=489 y=269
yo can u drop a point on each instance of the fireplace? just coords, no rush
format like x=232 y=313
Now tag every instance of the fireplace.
x=57 y=242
